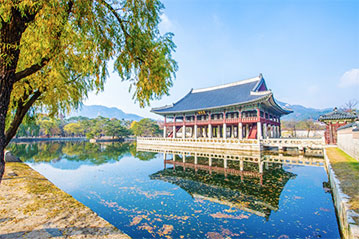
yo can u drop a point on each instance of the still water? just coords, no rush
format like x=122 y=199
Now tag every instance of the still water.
x=167 y=193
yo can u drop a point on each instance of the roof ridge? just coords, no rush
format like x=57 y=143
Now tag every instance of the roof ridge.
x=241 y=82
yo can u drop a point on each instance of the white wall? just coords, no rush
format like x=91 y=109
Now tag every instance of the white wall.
x=348 y=141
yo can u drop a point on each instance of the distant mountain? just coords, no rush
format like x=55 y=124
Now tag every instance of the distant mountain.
x=93 y=111
x=302 y=113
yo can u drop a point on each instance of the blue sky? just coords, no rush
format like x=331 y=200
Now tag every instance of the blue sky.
x=307 y=51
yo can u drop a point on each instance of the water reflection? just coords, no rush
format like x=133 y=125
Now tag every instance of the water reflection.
x=186 y=193
x=249 y=181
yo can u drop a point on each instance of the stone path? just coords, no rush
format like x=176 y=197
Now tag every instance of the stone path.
x=33 y=207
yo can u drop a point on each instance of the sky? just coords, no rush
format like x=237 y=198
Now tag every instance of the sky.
x=307 y=50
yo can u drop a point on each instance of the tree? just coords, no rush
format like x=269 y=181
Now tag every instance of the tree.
x=53 y=52
x=145 y=127
x=350 y=106
x=73 y=129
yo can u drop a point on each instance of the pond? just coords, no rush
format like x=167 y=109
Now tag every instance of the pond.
x=181 y=193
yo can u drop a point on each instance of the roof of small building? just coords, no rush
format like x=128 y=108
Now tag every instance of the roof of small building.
x=354 y=125
x=236 y=93
x=337 y=115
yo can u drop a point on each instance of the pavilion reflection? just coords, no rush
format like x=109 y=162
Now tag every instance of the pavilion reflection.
x=251 y=182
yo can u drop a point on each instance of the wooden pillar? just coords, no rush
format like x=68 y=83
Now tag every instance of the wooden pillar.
x=164 y=129
x=240 y=133
x=174 y=128
x=224 y=125
x=259 y=130
x=195 y=126
x=264 y=130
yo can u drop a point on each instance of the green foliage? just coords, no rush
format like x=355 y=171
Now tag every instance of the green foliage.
x=145 y=127
x=66 y=45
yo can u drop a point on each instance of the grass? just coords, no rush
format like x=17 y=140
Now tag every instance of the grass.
x=346 y=169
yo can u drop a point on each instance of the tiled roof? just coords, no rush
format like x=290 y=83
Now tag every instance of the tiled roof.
x=337 y=115
x=354 y=125
x=236 y=93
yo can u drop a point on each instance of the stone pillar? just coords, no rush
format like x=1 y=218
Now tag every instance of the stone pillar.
x=195 y=158
x=232 y=131
x=225 y=163
x=164 y=132
x=247 y=131
x=218 y=131
x=183 y=157
x=174 y=157
x=240 y=133
x=195 y=131
x=224 y=131
x=241 y=166
x=259 y=130
x=210 y=161
x=183 y=132
x=210 y=131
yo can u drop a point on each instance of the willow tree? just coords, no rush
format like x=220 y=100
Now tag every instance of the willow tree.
x=53 y=52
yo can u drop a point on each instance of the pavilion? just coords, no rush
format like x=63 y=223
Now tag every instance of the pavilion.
x=244 y=110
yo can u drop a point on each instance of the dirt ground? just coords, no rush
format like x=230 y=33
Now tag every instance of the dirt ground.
x=33 y=207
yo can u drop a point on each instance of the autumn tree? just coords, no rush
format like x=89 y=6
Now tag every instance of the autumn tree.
x=53 y=52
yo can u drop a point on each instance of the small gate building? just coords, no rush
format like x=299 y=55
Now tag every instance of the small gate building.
x=245 y=109
x=333 y=121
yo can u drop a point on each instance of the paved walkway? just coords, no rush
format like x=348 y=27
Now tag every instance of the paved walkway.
x=33 y=207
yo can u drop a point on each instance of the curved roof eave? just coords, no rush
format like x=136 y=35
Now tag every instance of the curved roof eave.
x=279 y=107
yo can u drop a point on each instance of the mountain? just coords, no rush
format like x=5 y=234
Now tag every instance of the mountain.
x=302 y=113
x=93 y=111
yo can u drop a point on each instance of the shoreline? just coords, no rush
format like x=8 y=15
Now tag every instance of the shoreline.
x=33 y=207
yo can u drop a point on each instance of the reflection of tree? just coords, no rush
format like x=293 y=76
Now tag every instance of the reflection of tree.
x=141 y=155
x=73 y=151
x=245 y=193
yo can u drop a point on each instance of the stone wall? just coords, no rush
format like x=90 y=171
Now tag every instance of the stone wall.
x=348 y=227
x=348 y=141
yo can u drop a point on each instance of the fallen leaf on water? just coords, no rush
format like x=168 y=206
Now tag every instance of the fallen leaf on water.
x=165 y=230
x=214 y=235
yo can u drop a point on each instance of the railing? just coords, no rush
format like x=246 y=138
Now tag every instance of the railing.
x=200 y=140
x=249 y=119
x=312 y=143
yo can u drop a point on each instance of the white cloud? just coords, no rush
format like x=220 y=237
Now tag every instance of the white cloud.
x=165 y=24
x=350 y=78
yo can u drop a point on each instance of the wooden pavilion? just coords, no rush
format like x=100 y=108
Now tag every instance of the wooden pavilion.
x=244 y=110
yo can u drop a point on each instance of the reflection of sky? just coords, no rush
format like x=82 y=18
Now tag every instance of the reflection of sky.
x=122 y=193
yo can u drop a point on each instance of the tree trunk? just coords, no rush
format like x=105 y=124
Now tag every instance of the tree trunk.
x=10 y=36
